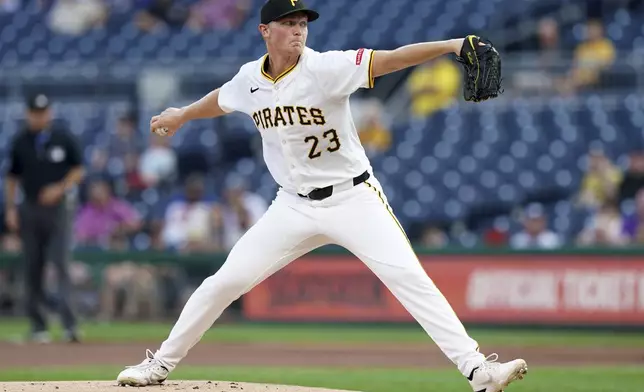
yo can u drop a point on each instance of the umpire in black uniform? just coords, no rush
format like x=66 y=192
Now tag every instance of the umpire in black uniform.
x=46 y=162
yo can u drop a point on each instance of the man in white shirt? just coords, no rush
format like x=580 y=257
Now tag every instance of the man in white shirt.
x=299 y=101
x=158 y=163
x=535 y=233
x=191 y=222
x=75 y=17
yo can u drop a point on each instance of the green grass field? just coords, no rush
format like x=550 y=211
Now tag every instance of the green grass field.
x=587 y=379
x=280 y=333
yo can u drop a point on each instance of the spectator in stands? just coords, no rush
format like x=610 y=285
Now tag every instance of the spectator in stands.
x=75 y=17
x=124 y=140
x=162 y=13
x=11 y=243
x=9 y=6
x=547 y=46
x=592 y=56
x=535 y=233
x=604 y=228
x=218 y=14
x=127 y=290
x=498 y=234
x=601 y=181
x=98 y=162
x=494 y=238
x=105 y=221
x=192 y=221
x=633 y=228
x=633 y=179
x=433 y=237
x=373 y=130
x=9 y=240
x=158 y=164
x=134 y=182
x=434 y=86
x=124 y=147
x=241 y=210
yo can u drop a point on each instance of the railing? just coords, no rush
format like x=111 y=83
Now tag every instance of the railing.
x=215 y=260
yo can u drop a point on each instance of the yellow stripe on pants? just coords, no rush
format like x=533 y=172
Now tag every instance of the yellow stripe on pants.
x=382 y=199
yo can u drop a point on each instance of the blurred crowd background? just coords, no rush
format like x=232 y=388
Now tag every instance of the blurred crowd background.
x=556 y=161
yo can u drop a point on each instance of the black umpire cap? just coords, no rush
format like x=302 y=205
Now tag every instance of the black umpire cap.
x=277 y=9
x=38 y=102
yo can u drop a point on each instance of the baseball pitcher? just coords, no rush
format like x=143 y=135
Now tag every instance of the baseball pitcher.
x=299 y=101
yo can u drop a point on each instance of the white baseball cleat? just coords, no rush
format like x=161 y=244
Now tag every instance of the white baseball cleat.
x=148 y=372
x=42 y=337
x=492 y=376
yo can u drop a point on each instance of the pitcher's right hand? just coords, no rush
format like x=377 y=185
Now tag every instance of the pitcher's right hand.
x=171 y=119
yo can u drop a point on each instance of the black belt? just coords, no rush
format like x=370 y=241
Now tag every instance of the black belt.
x=323 y=193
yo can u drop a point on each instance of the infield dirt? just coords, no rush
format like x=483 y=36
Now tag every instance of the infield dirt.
x=106 y=386
x=270 y=354
x=425 y=355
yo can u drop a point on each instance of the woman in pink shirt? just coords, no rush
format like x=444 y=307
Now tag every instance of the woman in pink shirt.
x=105 y=221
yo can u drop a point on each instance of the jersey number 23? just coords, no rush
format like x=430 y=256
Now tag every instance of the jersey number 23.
x=331 y=136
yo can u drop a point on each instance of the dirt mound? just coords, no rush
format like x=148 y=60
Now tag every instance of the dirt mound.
x=111 y=386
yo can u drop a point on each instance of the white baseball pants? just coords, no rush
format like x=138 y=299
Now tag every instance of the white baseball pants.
x=358 y=219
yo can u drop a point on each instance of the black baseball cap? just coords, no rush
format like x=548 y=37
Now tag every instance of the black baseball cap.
x=38 y=102
x=277 y=9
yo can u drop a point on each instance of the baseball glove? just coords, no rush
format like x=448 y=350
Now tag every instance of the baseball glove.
x=482 y=64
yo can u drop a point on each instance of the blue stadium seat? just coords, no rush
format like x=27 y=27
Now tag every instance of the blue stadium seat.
x=439 y=168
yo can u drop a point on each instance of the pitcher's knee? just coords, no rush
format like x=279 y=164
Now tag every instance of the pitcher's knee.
x=224 y=285
x=409 y=276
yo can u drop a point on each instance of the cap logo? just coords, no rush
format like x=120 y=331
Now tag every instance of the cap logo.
x=41 y=100
x=293 y=2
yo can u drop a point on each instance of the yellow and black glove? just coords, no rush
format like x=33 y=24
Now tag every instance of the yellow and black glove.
x=482 y=64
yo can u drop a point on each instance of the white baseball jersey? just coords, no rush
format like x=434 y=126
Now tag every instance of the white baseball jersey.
x=304 y=117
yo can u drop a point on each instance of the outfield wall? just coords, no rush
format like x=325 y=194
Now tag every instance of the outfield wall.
x=593 y=287
x=501 y=289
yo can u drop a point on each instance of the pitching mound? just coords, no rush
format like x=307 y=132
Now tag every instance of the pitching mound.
x=110 y=386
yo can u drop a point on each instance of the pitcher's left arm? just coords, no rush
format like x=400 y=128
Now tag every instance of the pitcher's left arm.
x=388 y=61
